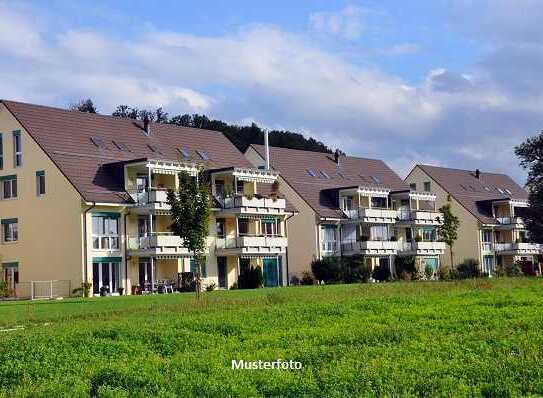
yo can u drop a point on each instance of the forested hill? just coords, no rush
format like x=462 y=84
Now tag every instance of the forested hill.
x=240 y=136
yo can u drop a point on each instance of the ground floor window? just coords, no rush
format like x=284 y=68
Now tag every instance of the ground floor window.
x=488 y=264
x=429 y=262
x=328 y=238
x=106 y=276
x=194 y=269
x=146 y=273
x=10 y=274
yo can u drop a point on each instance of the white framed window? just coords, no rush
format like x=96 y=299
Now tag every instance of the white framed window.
x=347 y=203
x=40 y=183
x=429 y=234
x=488 y=264
x=9 y=187
x=105 y=274
x=17 y=149
x=10 y=230
x=269 y=227
x=105 y=231
x=328 y=238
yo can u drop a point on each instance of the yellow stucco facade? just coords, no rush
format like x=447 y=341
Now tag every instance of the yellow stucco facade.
x=50 y=226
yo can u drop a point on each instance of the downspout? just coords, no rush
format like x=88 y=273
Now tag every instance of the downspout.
x=125 y=256
x=286 y=254
x=85 y=250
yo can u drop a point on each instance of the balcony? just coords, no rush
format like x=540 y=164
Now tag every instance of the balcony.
x=511 y=222
x=251 y=245
x=419 y=217
x=518 y=249
x=154 y=200
x=370 y=247
x=159 y=244
x=372 y=215
x=241 y=204
x=421 y=248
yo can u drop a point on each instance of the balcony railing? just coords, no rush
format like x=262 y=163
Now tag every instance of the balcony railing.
x=419 y=216
x=427 y=247
x=520 y=248
x=371 y=245
x=329 y=246
x=157 y=197
x=510 y=220
x=242 y=201
x=162 y=241
x=379 y=214
x=252 y=241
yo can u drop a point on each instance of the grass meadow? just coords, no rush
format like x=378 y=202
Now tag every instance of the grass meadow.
x=471 y=338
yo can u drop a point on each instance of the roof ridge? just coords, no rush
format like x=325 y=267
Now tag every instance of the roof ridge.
x=457 y=169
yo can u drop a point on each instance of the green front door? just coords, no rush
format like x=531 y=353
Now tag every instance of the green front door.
x=271 y=272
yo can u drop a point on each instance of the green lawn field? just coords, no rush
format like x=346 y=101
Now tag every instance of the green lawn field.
x=471 y=338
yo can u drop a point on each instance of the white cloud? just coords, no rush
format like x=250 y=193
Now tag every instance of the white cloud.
x=463 y=119
x=347 y=22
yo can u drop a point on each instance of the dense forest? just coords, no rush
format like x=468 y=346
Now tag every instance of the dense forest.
x=240 y=136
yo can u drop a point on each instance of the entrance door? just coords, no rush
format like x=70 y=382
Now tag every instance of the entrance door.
x=271 y=273
x=146 y=274
x=221 y=265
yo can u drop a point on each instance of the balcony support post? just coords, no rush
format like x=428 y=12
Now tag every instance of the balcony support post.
x=152 y=274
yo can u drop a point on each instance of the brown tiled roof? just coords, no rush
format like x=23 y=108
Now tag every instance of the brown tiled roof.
x=476 y=194
x=320 y=192
x=66 y=138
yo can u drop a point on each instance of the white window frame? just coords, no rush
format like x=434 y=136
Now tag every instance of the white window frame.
x=40 y=183
x=10 y=230
x=12 y=182
x=17 y=148
x=110 y=265
x=329 y=245
x=106 y=240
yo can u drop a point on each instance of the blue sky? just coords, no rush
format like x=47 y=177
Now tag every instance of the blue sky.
x=448 y=82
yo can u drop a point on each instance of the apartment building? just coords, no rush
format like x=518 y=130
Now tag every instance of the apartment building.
x=351 y=206
x=83 y=198
x=490 y=207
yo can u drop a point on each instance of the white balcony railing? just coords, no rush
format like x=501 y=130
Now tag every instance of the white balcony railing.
x=157 y=198
x=422 y=247
x=510 y=220
x=242 y=201
x=161 y=241
x=379 y=215
x=419 y=216
x=384 y=246
x=251 y=241
x=518 y=248
x=329 y=246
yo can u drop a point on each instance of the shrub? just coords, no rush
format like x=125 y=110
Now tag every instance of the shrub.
x=4 y=289
x=251 y=278
x=327 y=269
x=515 y=269
x=429 y=271
x=212 y=286
x=444 y=272
x=406 y=268
x=355 y=269
x=527 y=267
x=418 y=238
x=307 y=278
x=468 y=269
x=381 y=273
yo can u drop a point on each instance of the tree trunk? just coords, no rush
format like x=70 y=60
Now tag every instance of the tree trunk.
x=452 y=256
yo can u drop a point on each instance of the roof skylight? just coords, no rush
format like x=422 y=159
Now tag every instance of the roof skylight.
x=311 y=172
x=325 y=175
x=376 y=179
x=184 y=153
x=121 y=146
x=155 y=149
x=98 y=142
x=203 y=155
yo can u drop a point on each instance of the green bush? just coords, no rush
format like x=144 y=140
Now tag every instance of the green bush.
x=211 y=287
x=327 y=269
x=406 y=268
x=444 y=272
x=468 y=269
x=429 y=272
x=4 y=289
x=355 y=269
x=381 y=273
x=307 y=279
x=510 y=270
x=251 y=278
